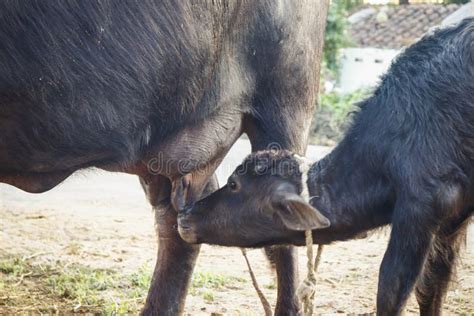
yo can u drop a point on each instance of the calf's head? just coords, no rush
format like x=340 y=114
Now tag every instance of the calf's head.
x=261 y=204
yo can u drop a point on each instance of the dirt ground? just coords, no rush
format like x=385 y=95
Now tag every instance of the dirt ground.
x=101 y=220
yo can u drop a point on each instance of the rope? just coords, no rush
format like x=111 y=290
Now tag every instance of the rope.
x=266 y=305
x=307 y=289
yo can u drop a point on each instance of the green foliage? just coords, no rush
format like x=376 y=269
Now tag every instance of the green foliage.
x=70 y=288
x=340 y=105
x=333 y=115
x=64 y=289
x=336 y=32
x=209 y=280
x=13 y=267
x=81 y=285
x=336 y=36
x=204 y=283
x=142 y=278
x=456 y=1
x=208 y=296
x=350 y=5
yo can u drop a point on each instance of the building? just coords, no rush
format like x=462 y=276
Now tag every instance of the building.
x=380 y=33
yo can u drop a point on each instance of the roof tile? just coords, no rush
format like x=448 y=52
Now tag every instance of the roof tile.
x=405 y=25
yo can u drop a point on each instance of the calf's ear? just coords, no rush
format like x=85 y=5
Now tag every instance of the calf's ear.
x=297 y=214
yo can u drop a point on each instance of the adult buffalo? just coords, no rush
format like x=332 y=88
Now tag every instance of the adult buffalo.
x=160 y=89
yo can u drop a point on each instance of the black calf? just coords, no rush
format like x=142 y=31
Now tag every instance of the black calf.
x=408 y=160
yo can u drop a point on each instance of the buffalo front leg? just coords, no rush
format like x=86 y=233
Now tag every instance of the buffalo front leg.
x=286 y=263
x=175 y=261
x=284 y=101
x=174 y=266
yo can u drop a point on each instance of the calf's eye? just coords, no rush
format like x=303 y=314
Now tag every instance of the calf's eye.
x=232 y=185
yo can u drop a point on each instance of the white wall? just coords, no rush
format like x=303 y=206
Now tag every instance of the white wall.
x=362 y=67
x=463 y=12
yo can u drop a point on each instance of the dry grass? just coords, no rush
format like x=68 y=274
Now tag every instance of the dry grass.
x=26 y=287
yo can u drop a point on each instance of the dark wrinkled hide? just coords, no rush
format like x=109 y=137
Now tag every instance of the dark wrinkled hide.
x=102 y=83
x=132 y=85
x=408 y=161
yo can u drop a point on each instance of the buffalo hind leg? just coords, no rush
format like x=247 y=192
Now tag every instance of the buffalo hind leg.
x=410 y=242
x=433 y=284
x=175 y=261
